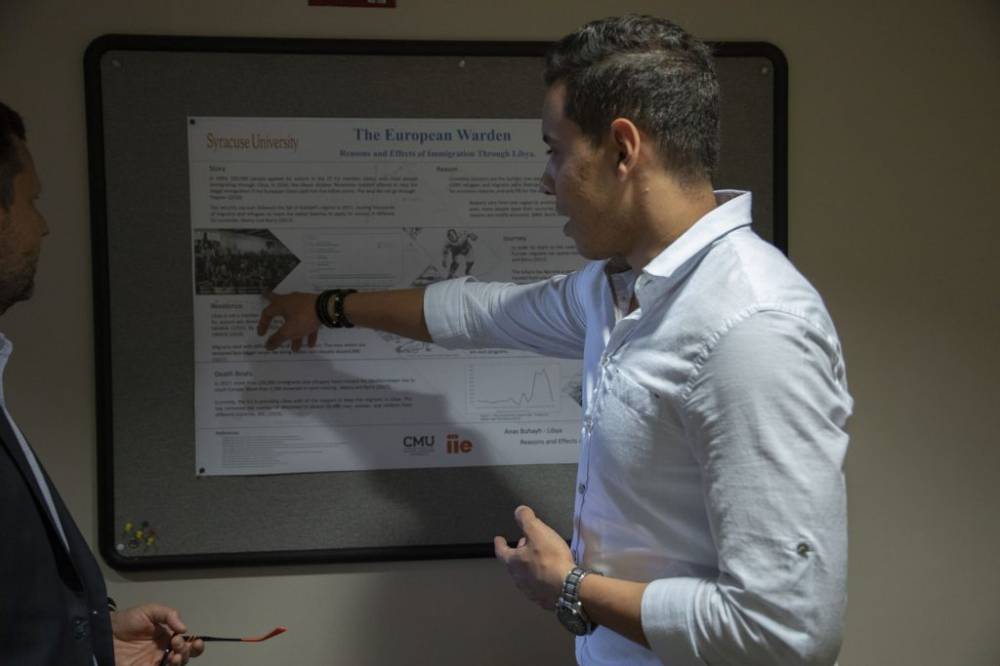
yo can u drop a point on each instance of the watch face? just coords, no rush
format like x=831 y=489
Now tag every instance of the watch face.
x=572 y=620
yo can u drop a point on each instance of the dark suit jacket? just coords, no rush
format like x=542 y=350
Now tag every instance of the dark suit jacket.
x=53 y=603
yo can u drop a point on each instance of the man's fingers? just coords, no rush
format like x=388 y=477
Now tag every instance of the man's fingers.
x=263 y=323
x=525 y=518
x=534 y=528
x=271 y=311
x=279 y=338
x=266 y=315
x=296 y=314
x=501 y=549
x=159 y=614
x=177 y=642
x=173 y=620
x=182 y=648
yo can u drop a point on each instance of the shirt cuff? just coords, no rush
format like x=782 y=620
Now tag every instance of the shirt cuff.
x=668 y=620
x=443 y=313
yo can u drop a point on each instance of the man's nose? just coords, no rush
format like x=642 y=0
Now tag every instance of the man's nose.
x=546 y=185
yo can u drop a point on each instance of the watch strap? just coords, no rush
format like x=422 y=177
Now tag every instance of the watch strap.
x=570 y=596
x=571 y=584
x=330 y=308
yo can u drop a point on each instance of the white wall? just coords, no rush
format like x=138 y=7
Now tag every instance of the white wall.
x=893 y=141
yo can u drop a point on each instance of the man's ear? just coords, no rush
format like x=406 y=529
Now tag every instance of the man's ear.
x=627 y=141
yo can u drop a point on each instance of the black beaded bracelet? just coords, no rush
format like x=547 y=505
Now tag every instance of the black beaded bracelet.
x=321 y=308
x=337 y=319
x=340 y=319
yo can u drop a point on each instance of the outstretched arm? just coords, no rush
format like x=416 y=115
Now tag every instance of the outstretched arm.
x=399 y=311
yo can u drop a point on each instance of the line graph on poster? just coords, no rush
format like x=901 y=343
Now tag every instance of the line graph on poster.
x=514 y=386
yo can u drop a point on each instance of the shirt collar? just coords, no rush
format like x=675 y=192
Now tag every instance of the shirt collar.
x=732 y=212
x=6 y=347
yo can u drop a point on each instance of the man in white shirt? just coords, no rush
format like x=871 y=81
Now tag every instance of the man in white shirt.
x=710 y=494
x=53 y=605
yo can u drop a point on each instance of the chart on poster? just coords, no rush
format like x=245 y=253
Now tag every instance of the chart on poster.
x=306 y=204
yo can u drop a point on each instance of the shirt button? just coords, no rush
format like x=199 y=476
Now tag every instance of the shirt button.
x=81 y=629
x=582 y=488
x=803 y=549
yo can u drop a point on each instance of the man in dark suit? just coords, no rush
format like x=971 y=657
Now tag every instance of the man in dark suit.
x=54 y=609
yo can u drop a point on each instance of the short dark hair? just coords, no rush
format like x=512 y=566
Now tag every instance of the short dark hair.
x=650 y=71
x=11 y=128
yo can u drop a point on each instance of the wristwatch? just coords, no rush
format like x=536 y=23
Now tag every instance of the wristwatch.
x=569 y=608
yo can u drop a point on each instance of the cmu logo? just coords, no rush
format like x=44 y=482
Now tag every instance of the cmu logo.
x=418 y=444
x=457 y=445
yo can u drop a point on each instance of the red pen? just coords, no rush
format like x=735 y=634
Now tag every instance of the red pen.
x=252 y=639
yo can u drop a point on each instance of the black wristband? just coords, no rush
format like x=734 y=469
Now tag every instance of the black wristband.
x=322 y=313
x=340 y=319
x=336 y=318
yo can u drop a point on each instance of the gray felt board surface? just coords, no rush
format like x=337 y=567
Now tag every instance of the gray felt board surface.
x=140 y=94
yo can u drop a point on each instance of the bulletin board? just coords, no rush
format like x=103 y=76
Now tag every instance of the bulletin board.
x=154 y=510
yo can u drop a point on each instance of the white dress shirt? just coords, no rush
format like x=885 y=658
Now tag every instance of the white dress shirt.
x=712 y=443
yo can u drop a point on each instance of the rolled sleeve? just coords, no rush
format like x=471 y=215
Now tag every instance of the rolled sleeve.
x=766 y=414
x=543 y=317
x=667 y=619
x=443 y=313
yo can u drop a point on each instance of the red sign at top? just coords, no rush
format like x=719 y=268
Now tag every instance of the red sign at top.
x=382 y=4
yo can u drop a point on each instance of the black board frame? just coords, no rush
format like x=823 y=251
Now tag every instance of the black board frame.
x=107 y=533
